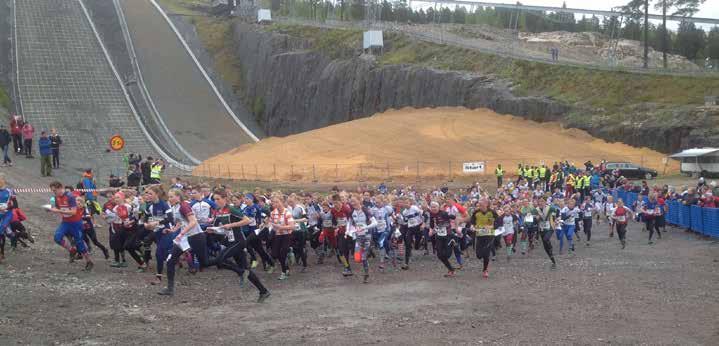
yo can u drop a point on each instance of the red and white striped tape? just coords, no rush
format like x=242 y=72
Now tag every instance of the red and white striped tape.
x=48 y=190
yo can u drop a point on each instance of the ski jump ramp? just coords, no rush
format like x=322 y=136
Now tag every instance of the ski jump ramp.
x=188 y=102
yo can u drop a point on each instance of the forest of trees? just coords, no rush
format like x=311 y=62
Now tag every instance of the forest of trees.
x=689 y=40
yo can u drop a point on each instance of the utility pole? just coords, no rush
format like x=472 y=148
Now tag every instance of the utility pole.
x=646 y=33
x=665 y=33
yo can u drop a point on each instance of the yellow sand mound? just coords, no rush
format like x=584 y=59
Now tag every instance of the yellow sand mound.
x=419 y=142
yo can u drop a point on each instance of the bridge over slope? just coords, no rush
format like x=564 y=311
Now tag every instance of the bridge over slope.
x=66 y=82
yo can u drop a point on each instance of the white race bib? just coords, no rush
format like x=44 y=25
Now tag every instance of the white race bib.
x=621 y=218
x=546 y=225
x=381 y=224
x=342 y=222
x=327 y=223
x=230 y=236
x=529 y=218
x=484 y=232
x=442 y=231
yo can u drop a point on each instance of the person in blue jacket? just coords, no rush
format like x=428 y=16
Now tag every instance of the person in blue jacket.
x=6 y=206
x=45 y=155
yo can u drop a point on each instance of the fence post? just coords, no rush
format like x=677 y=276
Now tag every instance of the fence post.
x=337 y=172
x=417 y=170
x=314 y=173
x=229 y=174
x=243 y=171
x=292 y=172
x=274 y=171
x=257 y=175
x=449 y=169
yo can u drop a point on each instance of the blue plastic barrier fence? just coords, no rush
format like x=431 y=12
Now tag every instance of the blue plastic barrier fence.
x=710 y=220
x=696 y=223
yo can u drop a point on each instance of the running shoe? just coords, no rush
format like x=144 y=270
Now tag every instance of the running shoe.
x=167 y=291
x=588 y=244
x=157 y=280
x=405 y=267
x=450 y=274
x=245 y=275
x=494 y=258
x=554 y=266
x=88 y=266
x=263 y=296
x=283 y=277
x=651 y=242
x=459 y=267
x=381 y=268
x=365 y=279
x=624 y=244
x=115 y=265
x=254 y=264
x=242 y=280
x=485 y=274
x=270 y=269
x=347 y=272
x=303 y=270
x=142 y=268
x=123 y=264
x=72 y=254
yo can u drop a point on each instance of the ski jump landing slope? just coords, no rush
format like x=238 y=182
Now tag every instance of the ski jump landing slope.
x=65 y=81
x=191 y=108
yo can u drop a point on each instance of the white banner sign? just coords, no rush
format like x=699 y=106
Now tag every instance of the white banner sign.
x=473 y=167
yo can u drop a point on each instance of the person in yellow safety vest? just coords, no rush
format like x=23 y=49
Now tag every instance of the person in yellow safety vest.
x=156 y=172
x=585 y=185
x=520 y=173
x=544 y=176
x=570 y=185
x=553 y=180
x=499 y=172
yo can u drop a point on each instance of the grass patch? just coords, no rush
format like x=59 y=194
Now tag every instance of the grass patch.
x=4 y=99
x=335 y=43
x=184 y=7
x=216 y=35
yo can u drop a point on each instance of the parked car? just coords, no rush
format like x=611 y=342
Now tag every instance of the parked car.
x=632 y=171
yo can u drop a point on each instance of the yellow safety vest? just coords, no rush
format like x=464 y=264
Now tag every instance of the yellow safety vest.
x=155 y=172
x=542 y=172
x=570 y=180
x=499 y=172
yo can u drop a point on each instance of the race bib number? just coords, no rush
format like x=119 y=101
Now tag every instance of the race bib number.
x=546 y=225
x=231 y=236
x=588 y=213
x=442 y=231
x=621 y=218
x=326 y=223
x=382 y=224
x=342 y=222
x=484 y=232
x=529 y=218
x=413 y=222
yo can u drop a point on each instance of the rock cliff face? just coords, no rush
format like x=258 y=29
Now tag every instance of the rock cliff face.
x=295 y=89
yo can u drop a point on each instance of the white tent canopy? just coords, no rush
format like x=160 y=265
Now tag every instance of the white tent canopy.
x=695 y=152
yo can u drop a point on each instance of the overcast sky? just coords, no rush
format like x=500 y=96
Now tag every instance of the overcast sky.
x=709 y=9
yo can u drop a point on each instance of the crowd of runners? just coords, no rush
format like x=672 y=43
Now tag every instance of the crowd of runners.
x=379 y=229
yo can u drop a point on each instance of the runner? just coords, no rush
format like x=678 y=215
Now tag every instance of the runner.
x=413 y=217
x=482 y=220
x=229 y=221
x=621 y=215
x=252 y=231
x=341 y=213
x=88 y=227
x=66 y=206
x=650 y=210
x=382 y=212
x=508 y=225
x=608 y=209
x=440 y=226
x=587 y=213
x=548 y=223
x=360 y=222
x=190 y=236
x=160 y=220
x=282 y=224
x=6 y=214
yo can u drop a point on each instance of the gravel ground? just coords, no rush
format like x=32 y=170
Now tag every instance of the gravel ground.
x=661 y=294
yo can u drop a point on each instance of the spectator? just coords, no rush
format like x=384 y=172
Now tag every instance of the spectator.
x=708 y=201
x=55 y=142
x=16 y=132
x=45 y=154
x=88 y=184
x=146 y=170
x=115 y=181
x=27 y=134
x=691 y=197
x=4 y=145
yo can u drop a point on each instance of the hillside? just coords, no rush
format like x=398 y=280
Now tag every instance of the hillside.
x=394 y=143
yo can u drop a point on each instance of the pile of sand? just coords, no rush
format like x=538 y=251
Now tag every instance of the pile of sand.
x=410 y=142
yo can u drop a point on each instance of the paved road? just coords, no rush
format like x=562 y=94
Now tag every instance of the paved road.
x=183 y=97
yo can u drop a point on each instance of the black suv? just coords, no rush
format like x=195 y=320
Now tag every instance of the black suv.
x=632 y=171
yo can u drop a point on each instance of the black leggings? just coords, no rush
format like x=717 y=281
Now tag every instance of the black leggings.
x=117 y=242
x=236 y=250
x=133 y=244
x=483 y=248
x=255 y=244
x=444 y=251
x=89 y=234
x=547 y=243
x=587 y=227
x=198 y=245
x=280 y=247
x=408 y=235
x=651 y=227
x=346 y=245
x=622 y=231
x=298 y=246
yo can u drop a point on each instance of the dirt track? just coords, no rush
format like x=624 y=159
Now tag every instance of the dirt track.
x=419 y=142
x=662 y=294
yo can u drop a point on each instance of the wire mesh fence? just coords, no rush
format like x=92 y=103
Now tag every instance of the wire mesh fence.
x=447 y=170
